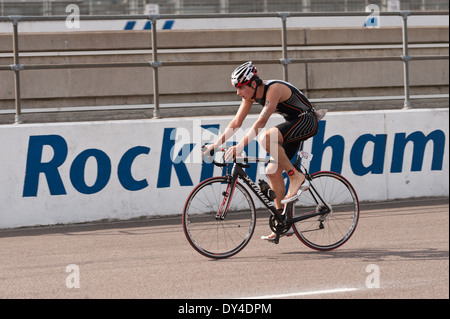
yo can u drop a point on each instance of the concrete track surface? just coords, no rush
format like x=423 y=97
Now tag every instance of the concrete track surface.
x=400 y=250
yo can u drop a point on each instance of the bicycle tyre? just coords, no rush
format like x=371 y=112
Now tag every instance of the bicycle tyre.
x=218 y=238
x=331 y=230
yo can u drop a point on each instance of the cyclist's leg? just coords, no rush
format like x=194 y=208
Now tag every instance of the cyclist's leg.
x=290 y=135
x=277 y=148
x=276 y=181
x=299 y=130
x=272 y=141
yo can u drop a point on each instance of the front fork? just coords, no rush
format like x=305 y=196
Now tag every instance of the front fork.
x=227 y=197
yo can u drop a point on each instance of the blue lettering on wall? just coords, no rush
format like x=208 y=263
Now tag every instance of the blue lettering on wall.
x=356 y=154
x=336 y=143
x=35 y=166
x=167 y=163
x=124 y=169
x=419 y=141
x=77 y=171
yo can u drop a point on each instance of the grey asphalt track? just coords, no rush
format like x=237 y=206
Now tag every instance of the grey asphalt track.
x=400 y=250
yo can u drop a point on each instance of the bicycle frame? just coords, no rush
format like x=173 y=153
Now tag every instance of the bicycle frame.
x=239 y=172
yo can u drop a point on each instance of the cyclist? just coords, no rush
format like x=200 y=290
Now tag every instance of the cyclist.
x=281 y=141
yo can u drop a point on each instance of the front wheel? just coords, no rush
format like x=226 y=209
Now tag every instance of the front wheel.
x=333 y=195
x=217 y=221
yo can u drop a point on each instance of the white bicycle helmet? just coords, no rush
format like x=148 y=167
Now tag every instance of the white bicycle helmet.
x=243 y=74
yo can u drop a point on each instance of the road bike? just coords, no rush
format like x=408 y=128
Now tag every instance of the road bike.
x=219 y=216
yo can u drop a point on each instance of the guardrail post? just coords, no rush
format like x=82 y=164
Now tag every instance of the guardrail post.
x=406 y=58
x=155 y=64
x=284 y=60
x=16 y=67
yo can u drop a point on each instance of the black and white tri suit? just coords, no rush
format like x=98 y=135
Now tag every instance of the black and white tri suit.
x=298 y=112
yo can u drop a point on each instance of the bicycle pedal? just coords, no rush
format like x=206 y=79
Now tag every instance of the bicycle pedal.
x=276 y=240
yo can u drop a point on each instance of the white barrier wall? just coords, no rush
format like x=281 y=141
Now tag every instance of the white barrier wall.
x=79 y=172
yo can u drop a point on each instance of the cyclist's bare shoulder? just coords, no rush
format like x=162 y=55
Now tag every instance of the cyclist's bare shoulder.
x=279 y=91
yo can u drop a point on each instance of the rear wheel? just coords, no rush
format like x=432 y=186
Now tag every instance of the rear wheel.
x=333 y=195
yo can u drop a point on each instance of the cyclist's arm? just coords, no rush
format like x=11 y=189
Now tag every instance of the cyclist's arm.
x=272 y=100
x=234 y=124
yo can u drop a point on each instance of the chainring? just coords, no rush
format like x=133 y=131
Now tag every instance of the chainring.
x=277 y=227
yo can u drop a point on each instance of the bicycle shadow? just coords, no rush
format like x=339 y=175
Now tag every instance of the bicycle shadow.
x=376 y=254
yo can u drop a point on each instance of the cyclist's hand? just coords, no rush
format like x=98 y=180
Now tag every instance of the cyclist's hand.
x=207 y=150
x=232 y=152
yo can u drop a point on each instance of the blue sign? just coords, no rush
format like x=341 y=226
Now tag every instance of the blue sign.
x=171 y=163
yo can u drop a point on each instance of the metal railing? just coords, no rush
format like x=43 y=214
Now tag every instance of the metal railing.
x=155 y=64
x=94 y=7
